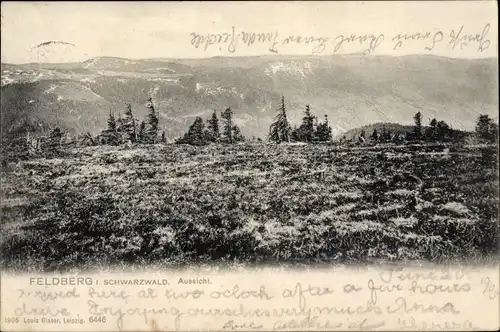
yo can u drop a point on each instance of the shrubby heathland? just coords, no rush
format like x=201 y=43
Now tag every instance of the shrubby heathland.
x=131 y=196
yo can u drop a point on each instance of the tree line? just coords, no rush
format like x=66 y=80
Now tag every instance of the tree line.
x=279 y=131
x=128 y=129
x=486 y=131
x=308 y=131
x=199 y=134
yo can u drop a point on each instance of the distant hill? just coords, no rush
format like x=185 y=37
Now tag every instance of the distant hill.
x=393 y=128
x=353 y=90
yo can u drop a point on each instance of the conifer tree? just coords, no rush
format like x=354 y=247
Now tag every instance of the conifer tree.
x=110 y=134
x=443 y=131
x=213 y=125
x=328 y=129
x=141 y=136
x=431 y=133
x=129 y=124
x=237 y=136
x=418 y=125
x=111 y=122
x=433 y=123
x=324 y=131
x=227 y=117
x=486 y=130
x=195 y=133
x=297 y=134
x=305 y=132
x=152 y=131
x=316 y=125
x=308 y=125
x=280 y=130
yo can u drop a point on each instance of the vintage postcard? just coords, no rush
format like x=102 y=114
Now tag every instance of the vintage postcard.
x=249 y=166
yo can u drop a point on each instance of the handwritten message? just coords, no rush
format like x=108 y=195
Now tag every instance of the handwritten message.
x=365 y=299
x=457 y=39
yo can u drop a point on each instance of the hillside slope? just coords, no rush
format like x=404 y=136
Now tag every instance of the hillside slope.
x=352 y=90
x=393 y=128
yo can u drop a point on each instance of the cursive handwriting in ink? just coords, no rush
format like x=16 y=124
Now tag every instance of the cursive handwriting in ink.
x=459 y=38
x=438 y=37
x=401 y=305
x=251 y=325
x=374 y=41
x=24 y=310
x=320 y=41
x=301 y=292
x=490 y=289
x=209 y=39
x=49 y=296
x=399 y=38
x=382 y=289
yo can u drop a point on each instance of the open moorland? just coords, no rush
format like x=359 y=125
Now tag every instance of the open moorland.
x=249 y=203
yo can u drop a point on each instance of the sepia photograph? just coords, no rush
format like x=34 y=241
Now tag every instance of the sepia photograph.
x=172 y=134
x=249 y=166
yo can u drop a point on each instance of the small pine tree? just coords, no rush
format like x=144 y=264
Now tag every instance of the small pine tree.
x=431 y=133
x=327 y=130
x=129 y=124
x=308 y=122
x=280 y=130
x=443 y=131
x=375 y=136
x=418 y=125
x=111 y=122
x=110 y=134
x=486 y=130
x=308 y=125
x=305 y=132
x=238 y=137
x=196 y=130
x=324 y=131
x=163 y=137
x=296 y=134
x=141 y=136
x=152 y=131
x=213 y=126
x=315 y=128
x=227 y=117
x=195 y=134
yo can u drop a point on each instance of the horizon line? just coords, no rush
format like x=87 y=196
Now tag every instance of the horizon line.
x=254 y=56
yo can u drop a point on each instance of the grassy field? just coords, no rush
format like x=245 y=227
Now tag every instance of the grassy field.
x=251 y=203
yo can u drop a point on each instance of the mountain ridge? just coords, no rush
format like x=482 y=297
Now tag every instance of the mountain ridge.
x=252 y=56
x=353 y=90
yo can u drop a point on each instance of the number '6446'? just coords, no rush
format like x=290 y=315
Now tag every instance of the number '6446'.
x=97 y=319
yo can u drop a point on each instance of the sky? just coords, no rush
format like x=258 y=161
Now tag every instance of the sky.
x=139 y=30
